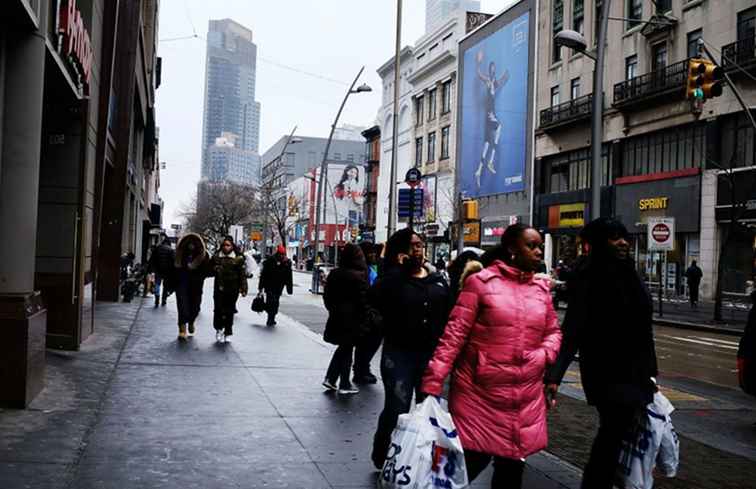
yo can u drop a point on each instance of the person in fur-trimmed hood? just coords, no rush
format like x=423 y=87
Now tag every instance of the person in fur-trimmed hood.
x=230 y=281
x=192 y=266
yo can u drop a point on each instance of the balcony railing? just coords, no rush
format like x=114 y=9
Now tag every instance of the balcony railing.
x=742 y=52
x=668 y=82
x=571 y=111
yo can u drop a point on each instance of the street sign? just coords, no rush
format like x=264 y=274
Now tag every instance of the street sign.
x=255 y=236
x=661 y=234
x=431 y=229
x=410 y=199
x=176 y=226
x=413 y=177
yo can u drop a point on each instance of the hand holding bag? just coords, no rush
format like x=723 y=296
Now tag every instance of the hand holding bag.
x=425 y=451
x=258 y=303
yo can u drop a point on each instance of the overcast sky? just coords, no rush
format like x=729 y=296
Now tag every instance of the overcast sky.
x=322 y=42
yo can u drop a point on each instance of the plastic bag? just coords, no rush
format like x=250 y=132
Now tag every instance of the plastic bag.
x=425 y=451
x=651 y=444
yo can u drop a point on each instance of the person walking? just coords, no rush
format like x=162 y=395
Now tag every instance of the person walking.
x=501 y=335
x=368 y=344
x=694 y=275
x=346 y=302
x=746 y=360
x=274 y=277
x=413 y=304
x=457 y=270
x=609 y=321
x=230 y=281
x=161 y=264
x=192 y=265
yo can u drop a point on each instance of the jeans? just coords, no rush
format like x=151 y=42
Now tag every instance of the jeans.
x=158 y=286
x=365 y=351
x=507 y=472
x=402 y=371
x=615 y=421
x=272 y=301
x=223 y=313
x=341 y=364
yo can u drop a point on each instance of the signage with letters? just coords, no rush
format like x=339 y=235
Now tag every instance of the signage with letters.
x=661 y=234
x=653 y=203
x=567 y=216
x=75 y=45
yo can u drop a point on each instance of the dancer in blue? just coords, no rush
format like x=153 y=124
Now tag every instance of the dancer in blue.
x=492 y=123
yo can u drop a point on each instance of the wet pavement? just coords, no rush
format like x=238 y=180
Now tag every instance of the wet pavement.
x=137 y=409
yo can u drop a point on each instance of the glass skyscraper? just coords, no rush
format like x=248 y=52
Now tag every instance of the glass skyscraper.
x=230 y=107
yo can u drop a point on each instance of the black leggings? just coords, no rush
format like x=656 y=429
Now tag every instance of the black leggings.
x=340 y=366
x=507 y=472
x=615 y=421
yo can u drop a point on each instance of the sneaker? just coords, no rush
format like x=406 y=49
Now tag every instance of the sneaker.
x=367 y=378
x=191 y=329
x=218 y=335
x=226 y=338
x=350 y=389
x=331 y=386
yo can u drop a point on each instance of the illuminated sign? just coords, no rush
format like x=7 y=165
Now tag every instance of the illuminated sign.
x=75 y=43
x=653 y=203
x=567 y=216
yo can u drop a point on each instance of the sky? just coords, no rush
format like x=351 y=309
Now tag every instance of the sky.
x=308 y=52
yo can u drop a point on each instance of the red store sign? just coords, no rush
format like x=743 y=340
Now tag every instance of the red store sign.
x=76 y=44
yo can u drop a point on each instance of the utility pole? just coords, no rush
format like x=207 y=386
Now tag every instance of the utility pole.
x=395 y=129
x=597 y=130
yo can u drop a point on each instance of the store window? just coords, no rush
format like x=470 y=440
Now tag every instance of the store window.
x=664 y=151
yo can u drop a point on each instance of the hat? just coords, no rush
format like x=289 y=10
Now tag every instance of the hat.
x=281 y=250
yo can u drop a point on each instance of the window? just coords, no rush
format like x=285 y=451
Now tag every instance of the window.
x=738 y=143
x=577 y=16
x=664 y=151
x=431 y=147
x=337 y=156
x=557 y=24
x=445 y=143
x=571 y=171
x=693 y=38
x=419 y=111
x=747 y=24
x=663 y=6
x=350 y=157
x=631 y=67
x=555 y=96
x=574 y=88
x=418 y=151
x=659 y=56
x=597 y=21
x=446 y=94
x=634 y=12
x=432 y=104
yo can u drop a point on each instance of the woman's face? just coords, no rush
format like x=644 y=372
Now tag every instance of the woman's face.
x=352 y=173
x=528 y=253
x=417 y=249
x=227 y=247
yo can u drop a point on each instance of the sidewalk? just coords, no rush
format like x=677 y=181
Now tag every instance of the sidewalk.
x=136 y=409
x=681 y=314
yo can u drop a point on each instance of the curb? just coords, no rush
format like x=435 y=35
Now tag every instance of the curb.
x=696 y=327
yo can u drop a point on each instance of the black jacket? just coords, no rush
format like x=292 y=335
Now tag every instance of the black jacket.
x=747 y=352
x=609 y=321
x=275 y=275
x=345 y=297
x=694 y=275
x=162 y=259
x=413 y=311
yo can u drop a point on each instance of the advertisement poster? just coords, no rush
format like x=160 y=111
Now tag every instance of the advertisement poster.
x=347 y=185
x=494 y=105
x=429 y=198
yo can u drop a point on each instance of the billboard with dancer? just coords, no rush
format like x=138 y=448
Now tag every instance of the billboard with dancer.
x=493 y=116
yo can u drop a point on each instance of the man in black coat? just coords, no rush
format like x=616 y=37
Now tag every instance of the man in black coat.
x=747 y=353
x=275 y=276
x=161 y=264
x=694 y=275
x=609 y=321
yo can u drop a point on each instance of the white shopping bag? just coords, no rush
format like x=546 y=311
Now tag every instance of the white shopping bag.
x=652 y=444
x=425 y=451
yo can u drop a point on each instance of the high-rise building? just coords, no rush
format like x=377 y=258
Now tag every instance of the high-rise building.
x=439 y=11
x=230 y=107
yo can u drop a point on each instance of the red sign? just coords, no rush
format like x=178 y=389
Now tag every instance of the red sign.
x=76 y=41
x=660 y=233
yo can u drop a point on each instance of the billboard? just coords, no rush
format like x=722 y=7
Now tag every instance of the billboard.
x=494 y=122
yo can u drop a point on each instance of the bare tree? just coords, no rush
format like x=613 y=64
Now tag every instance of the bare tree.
x=218 y=206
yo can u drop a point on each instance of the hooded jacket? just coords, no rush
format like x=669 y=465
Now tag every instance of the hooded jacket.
x=345 y=297
x=501 y=335
x=276 y=275
x=230 y=273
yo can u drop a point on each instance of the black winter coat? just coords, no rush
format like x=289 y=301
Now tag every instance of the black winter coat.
x=345 y=297
x=413 y=311
x=162 y=260
x=747 y=354
x=609 y=321
x=275 y=276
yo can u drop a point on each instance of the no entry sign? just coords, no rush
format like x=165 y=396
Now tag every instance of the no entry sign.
x=661 y=234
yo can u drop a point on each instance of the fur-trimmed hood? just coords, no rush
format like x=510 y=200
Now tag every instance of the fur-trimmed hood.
x=181 y=250
x=471 y=267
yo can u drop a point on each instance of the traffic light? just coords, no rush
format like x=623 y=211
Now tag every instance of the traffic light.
x=470 y=209
x=704 y=79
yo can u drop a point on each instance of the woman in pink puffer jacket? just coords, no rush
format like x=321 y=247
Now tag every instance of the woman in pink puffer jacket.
x=502 y=334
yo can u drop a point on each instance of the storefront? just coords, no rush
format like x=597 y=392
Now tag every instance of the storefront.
x=492 y=228
x=671 y=195
x=560 y=218
x=739 y=238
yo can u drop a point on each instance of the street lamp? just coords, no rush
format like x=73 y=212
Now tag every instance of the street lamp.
x=324 y=167
x=575 y=40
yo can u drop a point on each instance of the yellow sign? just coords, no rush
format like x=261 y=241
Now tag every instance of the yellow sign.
x=472 y=233
x=653 y=203
x=572 y=215
x=255 y=236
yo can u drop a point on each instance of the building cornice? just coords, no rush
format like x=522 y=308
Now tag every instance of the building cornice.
x=445 y=56
x=389 y=65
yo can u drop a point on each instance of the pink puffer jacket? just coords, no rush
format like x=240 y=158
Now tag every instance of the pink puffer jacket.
x=502 y=333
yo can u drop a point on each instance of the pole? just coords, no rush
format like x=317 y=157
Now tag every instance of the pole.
x=395 y=129
x=732 y=86
x=323 y=170
x=597 y=133
x=660 y=273
x=461 y=225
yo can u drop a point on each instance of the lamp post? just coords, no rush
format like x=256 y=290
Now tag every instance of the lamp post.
x=320 y=209
x=277 y=160
x=576 y=41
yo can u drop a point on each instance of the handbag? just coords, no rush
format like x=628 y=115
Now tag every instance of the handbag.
x=258 y=303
